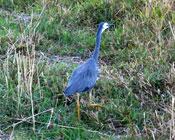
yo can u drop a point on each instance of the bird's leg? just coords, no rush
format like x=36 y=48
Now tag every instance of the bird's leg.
x=91 y=104
x=90 y=97
x=78 y=106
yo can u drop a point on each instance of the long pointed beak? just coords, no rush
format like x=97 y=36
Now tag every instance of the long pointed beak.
x=111 y=25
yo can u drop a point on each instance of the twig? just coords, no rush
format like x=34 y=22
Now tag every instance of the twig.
x=77 y=128
x=172 y=31
x=172 y=128
x=49 y=123
x=25 y=119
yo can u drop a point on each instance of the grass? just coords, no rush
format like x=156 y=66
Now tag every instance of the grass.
x=43 y=41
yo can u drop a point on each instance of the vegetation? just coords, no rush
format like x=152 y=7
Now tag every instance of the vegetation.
x=42 y=41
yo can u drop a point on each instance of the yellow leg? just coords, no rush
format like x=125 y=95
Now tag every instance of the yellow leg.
x=78 y=106
x=91 y=104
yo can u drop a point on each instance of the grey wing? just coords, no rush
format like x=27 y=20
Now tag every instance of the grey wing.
x=81 y=80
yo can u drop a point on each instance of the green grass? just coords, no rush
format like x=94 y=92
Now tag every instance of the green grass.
x=137 y=72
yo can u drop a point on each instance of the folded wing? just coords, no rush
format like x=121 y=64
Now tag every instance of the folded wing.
x=83 y=79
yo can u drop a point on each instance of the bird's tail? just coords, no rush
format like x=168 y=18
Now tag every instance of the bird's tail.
x=67 y=91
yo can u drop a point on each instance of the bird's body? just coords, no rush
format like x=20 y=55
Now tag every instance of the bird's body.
x=83 y=78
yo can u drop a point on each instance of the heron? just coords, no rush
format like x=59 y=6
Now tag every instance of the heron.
x=84 y=77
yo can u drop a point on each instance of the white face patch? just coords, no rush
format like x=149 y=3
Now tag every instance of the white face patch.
x=105 y=26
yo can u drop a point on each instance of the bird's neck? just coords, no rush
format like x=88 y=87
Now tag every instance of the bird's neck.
x=95 y=54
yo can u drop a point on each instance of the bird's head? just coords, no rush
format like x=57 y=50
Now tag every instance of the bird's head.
x=103 y=26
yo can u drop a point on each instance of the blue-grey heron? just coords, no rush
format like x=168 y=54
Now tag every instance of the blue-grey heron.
x=85 y=75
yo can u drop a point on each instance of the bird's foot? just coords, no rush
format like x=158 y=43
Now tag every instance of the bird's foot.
x=96 y=106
